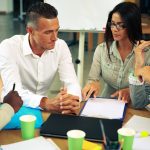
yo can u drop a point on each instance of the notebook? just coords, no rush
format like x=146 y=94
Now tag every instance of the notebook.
x=57 y=125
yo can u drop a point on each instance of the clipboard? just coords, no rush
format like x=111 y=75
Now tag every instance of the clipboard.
x=106 y=108
x=57 y=125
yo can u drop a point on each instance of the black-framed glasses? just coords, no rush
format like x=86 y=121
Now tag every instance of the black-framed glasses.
x=118 y=26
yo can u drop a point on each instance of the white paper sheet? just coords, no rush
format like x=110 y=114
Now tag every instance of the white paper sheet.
x=141 y=143
x=139 y=124
x=103 y=108
x=38 y=143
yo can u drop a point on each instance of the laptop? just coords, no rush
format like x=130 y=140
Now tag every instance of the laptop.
x=57 y=125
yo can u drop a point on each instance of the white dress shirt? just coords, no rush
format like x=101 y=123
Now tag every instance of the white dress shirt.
x=32 y=74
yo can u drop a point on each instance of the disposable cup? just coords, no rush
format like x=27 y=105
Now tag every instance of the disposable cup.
x=126 y=137
x=75 y=139
x=27 y=126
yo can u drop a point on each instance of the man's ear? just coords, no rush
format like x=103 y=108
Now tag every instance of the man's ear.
x=29 y=30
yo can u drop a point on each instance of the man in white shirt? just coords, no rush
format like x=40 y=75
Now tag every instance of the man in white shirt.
x=32 y=60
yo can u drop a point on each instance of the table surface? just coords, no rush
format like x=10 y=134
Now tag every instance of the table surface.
x=12 y=136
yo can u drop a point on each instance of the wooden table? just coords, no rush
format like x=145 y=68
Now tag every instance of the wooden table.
x=11 y=136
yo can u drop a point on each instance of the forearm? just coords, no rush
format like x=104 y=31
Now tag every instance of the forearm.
x=139 y=60
x=140 y=51
x=44 y=104
x=145 y=73
x=50 y=105
x=6 y=113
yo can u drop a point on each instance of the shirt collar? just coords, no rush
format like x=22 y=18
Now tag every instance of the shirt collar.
x=115 y=52
x=26 y=46
x=27 y=49
x=113 y=49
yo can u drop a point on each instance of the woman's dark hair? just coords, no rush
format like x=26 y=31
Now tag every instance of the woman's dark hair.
x=131 y=16
x=39 y=10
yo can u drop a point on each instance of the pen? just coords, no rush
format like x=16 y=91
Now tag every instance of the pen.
x=14 y=86
x=103 y=134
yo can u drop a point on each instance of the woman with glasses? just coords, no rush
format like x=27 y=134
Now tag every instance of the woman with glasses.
x=114 y=58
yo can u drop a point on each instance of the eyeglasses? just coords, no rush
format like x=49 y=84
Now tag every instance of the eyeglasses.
x=118 y=26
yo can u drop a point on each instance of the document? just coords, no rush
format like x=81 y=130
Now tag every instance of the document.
x=103 y=108
x=38 y=143
x=141 y=143
x=140 y=124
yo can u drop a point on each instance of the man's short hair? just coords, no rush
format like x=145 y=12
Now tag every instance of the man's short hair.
x=40 y=10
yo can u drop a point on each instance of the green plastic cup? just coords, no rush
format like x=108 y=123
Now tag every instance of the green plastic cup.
x=126 y=138
x=75 y=139
x=27 y=126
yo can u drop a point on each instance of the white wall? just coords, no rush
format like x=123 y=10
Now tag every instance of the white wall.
x=83 y=14
x=6 y=6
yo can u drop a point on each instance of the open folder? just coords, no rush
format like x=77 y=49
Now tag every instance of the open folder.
x=57 y=125
x=104 y=108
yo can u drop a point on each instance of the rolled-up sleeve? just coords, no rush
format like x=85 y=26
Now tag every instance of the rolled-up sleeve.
x=139 y=92
x=139 y=97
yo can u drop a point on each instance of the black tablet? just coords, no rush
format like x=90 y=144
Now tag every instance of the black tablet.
x=57 y=125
